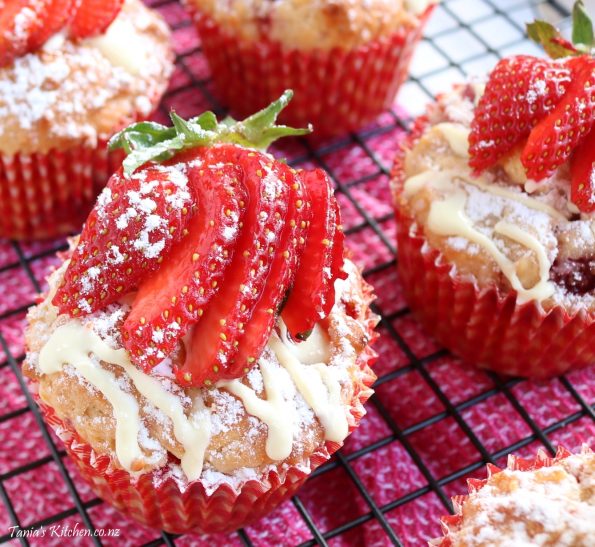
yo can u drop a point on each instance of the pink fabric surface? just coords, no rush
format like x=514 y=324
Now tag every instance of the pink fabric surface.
x=407 y=393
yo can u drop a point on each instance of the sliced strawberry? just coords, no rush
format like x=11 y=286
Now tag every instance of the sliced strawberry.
x=133 y=225
x=312 y=295
x=19 y=19
x=520 y=91
x=553 y=139
x=175 y=296
x=288 y=252
x=92 y=17
x=56 y=15
x=214 y=344
x=582 y=170
x=337 y=271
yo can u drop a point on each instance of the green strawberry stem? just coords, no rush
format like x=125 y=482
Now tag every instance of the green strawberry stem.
x=150 y=141
x=555 y=45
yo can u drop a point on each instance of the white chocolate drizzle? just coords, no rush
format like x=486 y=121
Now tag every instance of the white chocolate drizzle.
x=73 y=343
x=319 y=385
x=448 y=218
x=122 y=46
x=457 y=136
x=443 y=180
x=274 y=411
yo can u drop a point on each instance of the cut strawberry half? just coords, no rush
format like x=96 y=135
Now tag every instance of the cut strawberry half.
x=582 y=171
x=56 y=14
x=520 y=91
x=174 y=298
x=553 y=139
x=92 y=17
x=26 y=25
x=19 y=20
x=132 y=227
x=214 y=345
x=338 y=250
x=313 y=294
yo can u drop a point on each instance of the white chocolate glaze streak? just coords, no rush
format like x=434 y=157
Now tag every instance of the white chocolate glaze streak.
x=73 y=343
x=273 y=411
x=318 y=388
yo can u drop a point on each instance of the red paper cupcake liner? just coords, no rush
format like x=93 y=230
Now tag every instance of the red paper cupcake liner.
x=51 y=194
x=485 y=326
x=337 y=90
x=451 y=523
x=157 y=500
x=46 y=195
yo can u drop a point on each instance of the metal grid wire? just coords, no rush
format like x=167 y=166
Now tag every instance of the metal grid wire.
x=457 y=22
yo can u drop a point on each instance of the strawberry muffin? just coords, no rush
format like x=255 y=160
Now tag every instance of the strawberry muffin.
x=495 y=199
x=205 y=344
x=540 y=502
x=71 y=75
x=344 y=59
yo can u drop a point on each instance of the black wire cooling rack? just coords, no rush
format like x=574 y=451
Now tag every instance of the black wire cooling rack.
x=463 y=36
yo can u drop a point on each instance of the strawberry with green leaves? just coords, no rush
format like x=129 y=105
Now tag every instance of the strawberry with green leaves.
x=521 y=90
x=92 y=17
x=208 y=236
x=582 y=167
x=555 y=138
x=546 y=105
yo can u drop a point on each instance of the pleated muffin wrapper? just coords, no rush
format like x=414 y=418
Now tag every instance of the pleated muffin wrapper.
x=484 y=326
x=157 y=499
x=46 y=195
x=451 y=523
x=337 y=90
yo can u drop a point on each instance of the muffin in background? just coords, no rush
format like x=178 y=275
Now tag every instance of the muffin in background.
x=344 y=59
x=538 y=502
x=205 y=344
x=494 y=197
x=62 y=99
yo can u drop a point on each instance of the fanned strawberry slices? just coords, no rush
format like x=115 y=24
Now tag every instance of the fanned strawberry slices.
x=546 y=106
x=175 y=297
x=238 y=322
x=211 y=236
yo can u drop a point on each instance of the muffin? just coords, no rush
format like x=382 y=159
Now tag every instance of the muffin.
x=545 y=501
x=94 y=70
x=493 y=193
x=175 y=354
x=344 y=59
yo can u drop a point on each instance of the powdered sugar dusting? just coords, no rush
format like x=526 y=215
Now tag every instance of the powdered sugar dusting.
x=70 y=91
x=549 y=506
x=142 y=230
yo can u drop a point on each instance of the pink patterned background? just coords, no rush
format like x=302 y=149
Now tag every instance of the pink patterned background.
x=432 y=424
